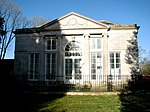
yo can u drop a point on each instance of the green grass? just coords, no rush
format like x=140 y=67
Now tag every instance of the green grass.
x=103 y=103
x=127 y=101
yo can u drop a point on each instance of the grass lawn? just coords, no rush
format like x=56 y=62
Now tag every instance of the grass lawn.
x=103 y=103
x=135 y=101
x=125 y=102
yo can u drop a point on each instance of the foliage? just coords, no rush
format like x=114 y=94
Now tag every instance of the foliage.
x=132 y=55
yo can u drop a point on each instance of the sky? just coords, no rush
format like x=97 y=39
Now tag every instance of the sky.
x=118 y=11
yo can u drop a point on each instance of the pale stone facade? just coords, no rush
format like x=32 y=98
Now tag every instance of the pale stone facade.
x=75 y=48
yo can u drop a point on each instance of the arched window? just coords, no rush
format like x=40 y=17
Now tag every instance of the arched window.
x=73 y=49
x=73 y=46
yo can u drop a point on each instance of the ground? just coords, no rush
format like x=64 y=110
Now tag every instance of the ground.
x=126 y=101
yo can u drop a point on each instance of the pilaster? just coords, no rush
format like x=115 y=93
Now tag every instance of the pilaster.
x=86 y=55
x=59 y=57
x=42 y=59
x=105 y=54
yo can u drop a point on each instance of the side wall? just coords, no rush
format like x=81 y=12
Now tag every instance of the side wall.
x=120 y=41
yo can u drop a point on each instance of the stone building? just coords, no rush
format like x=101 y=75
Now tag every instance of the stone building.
x=75 y=49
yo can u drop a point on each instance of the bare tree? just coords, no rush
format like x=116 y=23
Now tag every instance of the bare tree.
x=13 y=19
x=37 y=21
x=2 y=32
x=144 y=65
x=141 y=53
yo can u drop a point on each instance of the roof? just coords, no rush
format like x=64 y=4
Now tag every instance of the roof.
x=103 y=23
x=107 y=22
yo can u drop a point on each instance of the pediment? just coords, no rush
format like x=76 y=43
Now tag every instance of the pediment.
x=73 y=21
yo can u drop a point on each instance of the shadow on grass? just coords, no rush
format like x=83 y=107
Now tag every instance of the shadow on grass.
x=136 y=98
x=29 y=102
x=26 y=101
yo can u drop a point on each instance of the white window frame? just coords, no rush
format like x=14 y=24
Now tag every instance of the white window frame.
x=31 y=72
x=53 y=77
x=51 y=43
x=95 y=40
x=117 y=70
x=75 y=52
x=98 y=76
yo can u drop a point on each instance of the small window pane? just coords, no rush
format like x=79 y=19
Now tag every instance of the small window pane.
x=93 y=44
x=93 y=65
x=112 y=66
x=54 y=44
x=48 y=44
x=98 y=55
x=111 y=55
x=117 y=60
x=117 y=65
x=93 y=71
x=98 y=43
x=117 y=55
x=93 y=77
x=111 y=60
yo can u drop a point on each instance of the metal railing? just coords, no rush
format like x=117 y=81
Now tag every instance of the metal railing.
x=82 y=84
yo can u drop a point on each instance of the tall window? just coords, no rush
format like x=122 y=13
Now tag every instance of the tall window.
x=34 y=66
x=51 y=44
x=96 y=66
x=115 y=65
x=96 y=58
x=50 y=66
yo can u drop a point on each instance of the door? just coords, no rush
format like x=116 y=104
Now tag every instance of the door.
x=73 y=69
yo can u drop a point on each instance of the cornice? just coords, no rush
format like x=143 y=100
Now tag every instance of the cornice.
x=124 y=27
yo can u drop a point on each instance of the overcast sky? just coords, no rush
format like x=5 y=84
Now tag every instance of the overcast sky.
x=119 y=11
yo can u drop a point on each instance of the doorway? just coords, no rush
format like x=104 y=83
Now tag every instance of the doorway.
x=72 y=62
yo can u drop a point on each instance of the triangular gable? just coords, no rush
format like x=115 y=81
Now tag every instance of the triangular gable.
x=73 y=21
